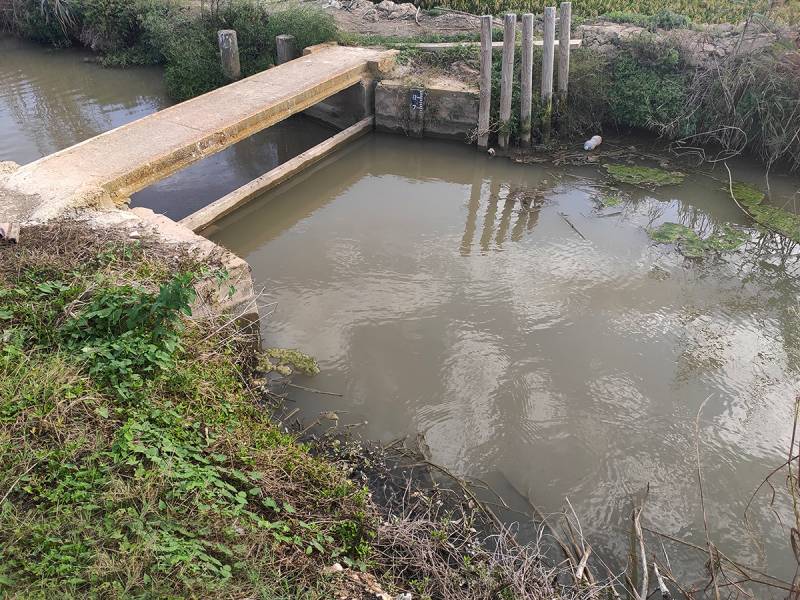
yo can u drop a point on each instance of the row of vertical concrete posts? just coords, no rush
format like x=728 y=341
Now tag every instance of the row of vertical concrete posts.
x=526 y=75
x=285 y=48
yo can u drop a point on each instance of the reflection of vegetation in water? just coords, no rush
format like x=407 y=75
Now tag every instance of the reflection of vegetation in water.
x=770 y=217
x=643 y=175
x=692 y=245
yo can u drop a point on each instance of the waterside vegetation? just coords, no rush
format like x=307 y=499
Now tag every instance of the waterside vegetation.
x=183 y=39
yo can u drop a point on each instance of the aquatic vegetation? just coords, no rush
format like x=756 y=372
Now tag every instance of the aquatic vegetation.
x=691 y=245
x=286 y=361
x=770 y=217
x=643 y=175
x=746 y=194
x=611 y=200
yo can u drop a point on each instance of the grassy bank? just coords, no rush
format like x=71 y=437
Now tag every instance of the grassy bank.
x=144 y=32
x=139 y=459
x=136 y=459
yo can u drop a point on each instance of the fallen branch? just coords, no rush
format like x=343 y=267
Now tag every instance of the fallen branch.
x=575 y=229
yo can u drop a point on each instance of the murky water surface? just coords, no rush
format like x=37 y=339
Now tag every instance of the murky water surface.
x=446 y=295
x=52 y=99
x=528 y=335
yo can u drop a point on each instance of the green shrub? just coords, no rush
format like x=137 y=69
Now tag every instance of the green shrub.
x=663 y=19
x=649 y=85
x=307 y=24
x=49 y=22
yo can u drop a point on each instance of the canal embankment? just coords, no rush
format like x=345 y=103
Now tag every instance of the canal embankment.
x=150 y=428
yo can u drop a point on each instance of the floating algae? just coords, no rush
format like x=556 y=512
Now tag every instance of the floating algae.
x=691 y=245
x=285 y=362
x=770 y=217
x=643 y=175
x=607 y=201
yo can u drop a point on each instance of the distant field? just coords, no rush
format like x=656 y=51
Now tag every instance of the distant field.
x=699 y=11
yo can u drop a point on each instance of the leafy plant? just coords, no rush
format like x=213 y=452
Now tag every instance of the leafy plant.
x=127 y=336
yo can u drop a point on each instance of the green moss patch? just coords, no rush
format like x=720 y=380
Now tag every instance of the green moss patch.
x=691 y=245
x=773 y=218
x=646 y=176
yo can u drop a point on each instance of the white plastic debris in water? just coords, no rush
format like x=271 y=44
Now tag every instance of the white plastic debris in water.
x=593 y=143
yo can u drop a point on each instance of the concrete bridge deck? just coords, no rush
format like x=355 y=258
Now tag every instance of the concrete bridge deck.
x=107 y=169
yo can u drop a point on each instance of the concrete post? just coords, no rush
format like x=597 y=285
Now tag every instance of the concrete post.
x=485 y=106
x=285 y=48
x=507 y=77
x=547 y=69
x=526 y=83
x=229 y=52
x=564 y=26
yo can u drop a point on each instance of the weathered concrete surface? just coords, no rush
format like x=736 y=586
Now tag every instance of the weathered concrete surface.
x=347 y=107
x=450 y=108
x=214 y=299
x=200 y=220
x=104 y=171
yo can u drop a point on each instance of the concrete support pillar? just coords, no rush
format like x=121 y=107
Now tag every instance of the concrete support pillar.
x=229 y=53
x=285 y=48
x=507 y=77
x=486 y=82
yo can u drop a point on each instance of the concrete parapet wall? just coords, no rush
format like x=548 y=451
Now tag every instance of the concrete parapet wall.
x=440 y=109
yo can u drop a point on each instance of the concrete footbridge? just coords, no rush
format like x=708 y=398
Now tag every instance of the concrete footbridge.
x=105 y=170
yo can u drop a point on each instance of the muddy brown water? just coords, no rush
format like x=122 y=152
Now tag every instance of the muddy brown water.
x=442 y=306
x=448 y=298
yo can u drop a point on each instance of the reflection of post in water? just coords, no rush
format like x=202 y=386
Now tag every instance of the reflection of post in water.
x=527 y=202
x=491 y=211
x=472 y=216
x=505 y=219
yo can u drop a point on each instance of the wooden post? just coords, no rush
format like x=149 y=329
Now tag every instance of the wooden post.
x=229 y=52
x=526 y=90
x=285 y=48
x=547 y=69
x=507 y=77
x=485 y=107
x=564 y=27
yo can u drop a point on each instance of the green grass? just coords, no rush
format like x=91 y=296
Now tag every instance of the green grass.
x=709 y=11
x=135 y=460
